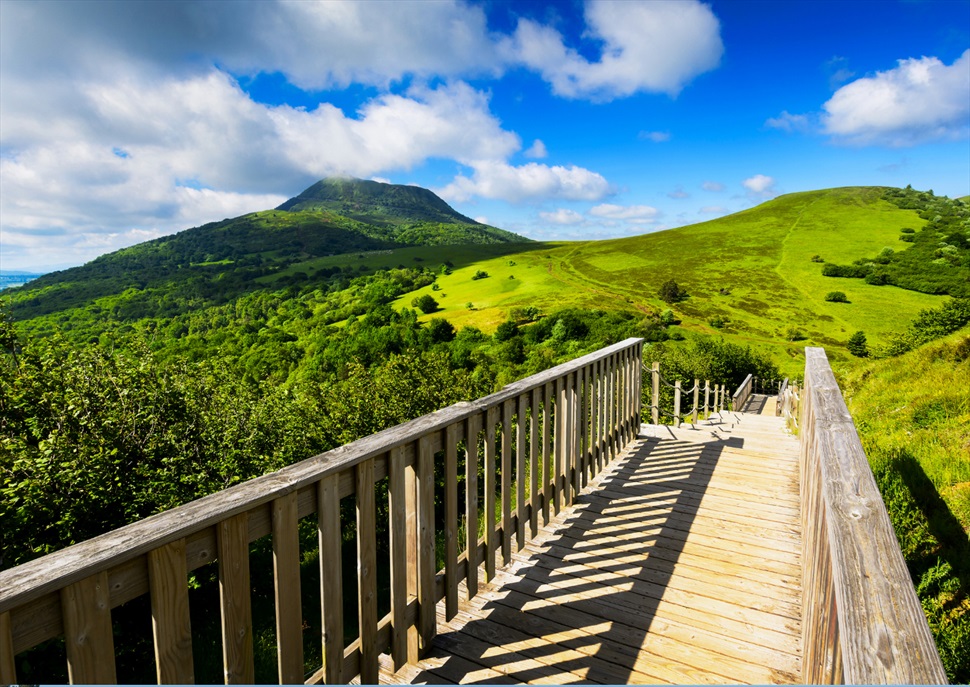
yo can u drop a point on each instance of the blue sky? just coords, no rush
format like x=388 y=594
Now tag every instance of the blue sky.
x=121 y=122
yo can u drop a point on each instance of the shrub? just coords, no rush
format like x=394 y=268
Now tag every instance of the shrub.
x=506 y=331
x=794 y=334
x=670 y=292
x=717 y=322
x=426 y=303
x=480 y=274
x=858 y=346
x=817 y=258
x=836 y=297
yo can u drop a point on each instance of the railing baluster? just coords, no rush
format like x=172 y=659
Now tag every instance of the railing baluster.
x=534 y=464
x=367 y=572
x=581 y=461
x=490 y=488
x=520 y=476
x=397 y=528
x=473 y=427
x=547 y=478
x=286 y=572
x=655 y=397
x=559 y=445
x=8 y=667
x=411 y=548
x=506 y=482
x=569 y=440
x=331 y=581
x=611 y=406
x=171 y=627
x=87 y=631
x=232 y=537
x=677 y=403
x=594 y=414
x=451 y=521
x=426 y=543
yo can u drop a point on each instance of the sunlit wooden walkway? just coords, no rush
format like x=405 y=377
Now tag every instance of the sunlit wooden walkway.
x=680 y=563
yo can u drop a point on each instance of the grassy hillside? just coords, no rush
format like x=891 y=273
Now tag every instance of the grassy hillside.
x=913 y=415
x=752 y=271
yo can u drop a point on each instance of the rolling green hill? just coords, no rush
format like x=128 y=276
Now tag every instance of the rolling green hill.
x=218 y=261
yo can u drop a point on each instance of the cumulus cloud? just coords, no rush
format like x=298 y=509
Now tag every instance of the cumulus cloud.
x=654 y=47
x=562 y=216
x=920 y=100
x=760 y=186
x=678 y=194
x=789 y=122
x=624 y=212
x=536 y=150
x=655 y=136
x=713 y=186
x=526 y=183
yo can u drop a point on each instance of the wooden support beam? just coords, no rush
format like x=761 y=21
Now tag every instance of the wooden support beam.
x=88 y=637
x=331 y=578
x=286 y=577
x=8 y=667
x=171 y=627
x=367 y=572
x=473 y=428
x=424 y=487
x=234 y=600
x=534 y=468
x=397 y=529
x=451 y=521
x=491 y=486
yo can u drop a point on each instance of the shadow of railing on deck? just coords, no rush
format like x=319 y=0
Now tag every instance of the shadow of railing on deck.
x=595 y=589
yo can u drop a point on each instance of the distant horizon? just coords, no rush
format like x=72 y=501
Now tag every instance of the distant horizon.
x=125 y=122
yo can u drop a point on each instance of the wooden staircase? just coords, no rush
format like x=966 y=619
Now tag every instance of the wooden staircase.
x=680 y=563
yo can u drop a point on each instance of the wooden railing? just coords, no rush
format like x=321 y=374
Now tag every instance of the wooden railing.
x=553 y=430
x=714 y=393
x=743 y=393
x=862 y=622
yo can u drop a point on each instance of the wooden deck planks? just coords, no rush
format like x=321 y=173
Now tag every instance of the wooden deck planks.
x=680 y=563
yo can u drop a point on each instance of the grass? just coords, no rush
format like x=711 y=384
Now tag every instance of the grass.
x=753 y=270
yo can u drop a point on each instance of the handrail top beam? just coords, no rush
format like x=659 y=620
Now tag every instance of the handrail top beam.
x=40 y=576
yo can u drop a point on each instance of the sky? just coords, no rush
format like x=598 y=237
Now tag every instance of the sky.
x=123 y=122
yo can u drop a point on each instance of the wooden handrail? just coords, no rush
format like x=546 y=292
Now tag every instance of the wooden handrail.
x=862 y=621
x=741 y=396
x=577 y=417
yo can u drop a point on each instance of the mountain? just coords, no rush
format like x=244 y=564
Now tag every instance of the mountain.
x=375 y=202
x=220 y=260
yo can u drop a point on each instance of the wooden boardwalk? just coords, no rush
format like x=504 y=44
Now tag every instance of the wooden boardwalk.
x=678 y=564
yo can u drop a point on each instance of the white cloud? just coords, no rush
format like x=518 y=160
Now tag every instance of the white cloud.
x=655 y=47
x=525 y=183
x=760 y=187
x=655 y=136
x=624 y=212
x=382 y=180
x=713 y=186
x=536 y=150
x=481 y=219
x=713 y=210
x=920 y=100
x=787 y=121
x=678 y=194
x=562 y=216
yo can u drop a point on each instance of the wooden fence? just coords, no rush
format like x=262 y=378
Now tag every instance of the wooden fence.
x=714 y=398
x=536 y=442
x=743 y=393
x=862 y=622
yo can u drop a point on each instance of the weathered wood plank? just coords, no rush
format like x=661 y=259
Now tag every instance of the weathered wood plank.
x=171 y=627
x=424 y=486
x=286 y=578
x=87 y=628
x=547 y=478
x=411 y=521
x=8 y=667
x=331 y=579
x=473 y=428
x=520 y=470
x=491 y=486
x=559 y=446
x=397 y=529
x=367 y=572
x=451 y=520
x=882 y=635
x=534 y=467
x=234 y=600
x=507 y=481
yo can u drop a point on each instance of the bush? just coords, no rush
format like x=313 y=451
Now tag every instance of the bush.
x=426 y=303
x=670 y=292
x=858 y=346
x=480 y=274
x=836 y=297
x=794 y=334
x=817 y=258
x=506 y=331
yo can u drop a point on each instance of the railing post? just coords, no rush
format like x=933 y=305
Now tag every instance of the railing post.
x=366 y=572
x=451 y=522
x=86 y=609
x=397 y=528
x=8 y=668
x=331 y=581
x=520 y=477
x=472 y=429
x=655 y=402
x=707 y=394
x=286 y=577
x=677 y=403
x=424 y=486
x=171 y=628
x=697 y=391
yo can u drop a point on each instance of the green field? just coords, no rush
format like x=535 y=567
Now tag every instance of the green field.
x=753 y=269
